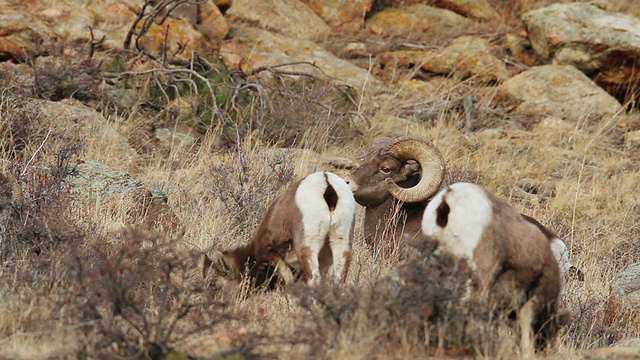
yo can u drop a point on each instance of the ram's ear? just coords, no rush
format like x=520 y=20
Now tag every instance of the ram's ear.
x=410 y=168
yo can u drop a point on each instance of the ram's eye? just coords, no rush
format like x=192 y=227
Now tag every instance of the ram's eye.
x=385 y=170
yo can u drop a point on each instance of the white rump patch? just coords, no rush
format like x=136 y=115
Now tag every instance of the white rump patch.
x=470 y=211
x=561 y=253
x=321 y=224
x=315 y=212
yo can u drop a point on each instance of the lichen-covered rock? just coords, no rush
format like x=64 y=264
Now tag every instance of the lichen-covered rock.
x=465 y=57
x=97 y=187
x=468 y=56
x=291 y=18
x=20 y=37
x=205 y=18
x=81 y=124
x=559 y=90
x=341 y=14
x=264 y=48
x=632 y=140
x=591 y=39
x=177 y=35
x=627 y=282
x=417 y=18
x=477 y=9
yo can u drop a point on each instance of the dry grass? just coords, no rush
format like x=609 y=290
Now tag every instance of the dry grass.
x=79 y=283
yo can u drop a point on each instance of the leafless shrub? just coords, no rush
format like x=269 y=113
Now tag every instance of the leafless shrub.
x=246 y=186
x=301 y=111
x=420 y=307
x=600 y=321
x=59 y=78
x=37 y=222
x=141 y=295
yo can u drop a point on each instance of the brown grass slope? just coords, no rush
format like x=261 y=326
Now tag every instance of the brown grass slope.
x=76 y=283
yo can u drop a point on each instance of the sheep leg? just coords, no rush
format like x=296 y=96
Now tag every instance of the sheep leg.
x=525 y=321
x=309 y=262
x=341 y=252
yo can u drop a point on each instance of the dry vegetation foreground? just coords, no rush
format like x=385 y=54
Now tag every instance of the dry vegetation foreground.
x=84 y=276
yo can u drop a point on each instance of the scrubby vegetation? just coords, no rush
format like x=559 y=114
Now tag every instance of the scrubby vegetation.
x=72 y=286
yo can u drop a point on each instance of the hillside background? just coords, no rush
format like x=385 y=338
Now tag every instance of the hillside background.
x=136 y=136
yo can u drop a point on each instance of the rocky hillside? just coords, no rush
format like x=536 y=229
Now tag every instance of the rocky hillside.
x=134 y=129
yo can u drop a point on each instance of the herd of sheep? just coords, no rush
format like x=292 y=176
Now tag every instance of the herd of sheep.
x=307 y=231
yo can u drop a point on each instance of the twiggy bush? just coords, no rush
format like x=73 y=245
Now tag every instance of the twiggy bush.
x=140 y=294
x=34 y=216
x=246 y=186
x=418 y=309
x=302 y=111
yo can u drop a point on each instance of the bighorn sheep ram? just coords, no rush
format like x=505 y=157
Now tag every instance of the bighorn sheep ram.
x=404 y=173
x=511 y=257
x=306 y=228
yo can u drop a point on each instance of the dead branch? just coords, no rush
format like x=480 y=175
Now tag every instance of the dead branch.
x=93 y=43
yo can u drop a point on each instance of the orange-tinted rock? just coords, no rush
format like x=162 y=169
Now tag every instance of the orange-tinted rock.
x=477 y=9
x=181 y=38
x=19 y=37
x=593 y=40
x=468 y=56
x=341 y=14
x=291 y=18
x=465 y=57
x=416 y=18
x=253 y=48
x=557 y=90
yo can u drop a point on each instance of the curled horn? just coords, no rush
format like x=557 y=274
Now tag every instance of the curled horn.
x=431 y=162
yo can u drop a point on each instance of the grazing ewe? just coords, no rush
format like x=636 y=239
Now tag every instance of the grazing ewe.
x=404 y=174
x=511 y=257
x=305 y=229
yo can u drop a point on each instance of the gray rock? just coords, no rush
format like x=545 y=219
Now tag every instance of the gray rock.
x=561 y=91
x=589 y=38
x=93 y=185
x=627 y=283
x=613 y=352
x=78 y=123
x=417 y=18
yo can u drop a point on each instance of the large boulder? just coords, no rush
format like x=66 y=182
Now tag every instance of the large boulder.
x=468 y=56
x=416 y=19
x=80 y=124
x=190 y=26
x=598 y=42
x=96 y=187
x=258 y=47
x=627 y=283
x=559 y=90
x=465 y=57
x=20 y=37
x=477 y=9
x=291 y=18
x=341 y=14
